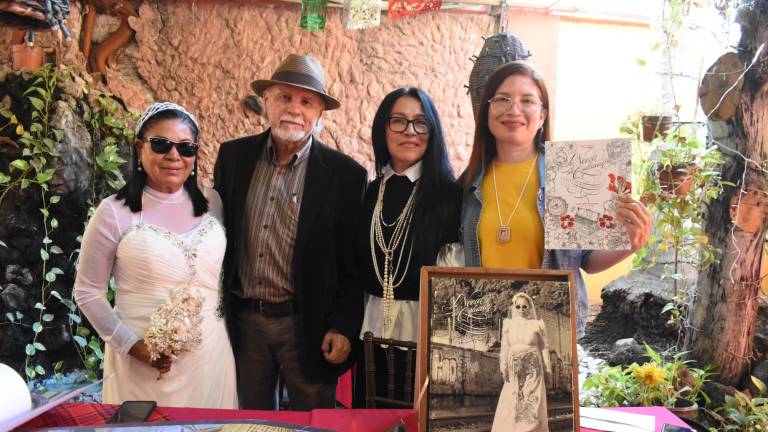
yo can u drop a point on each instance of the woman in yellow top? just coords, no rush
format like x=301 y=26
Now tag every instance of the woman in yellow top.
x=503 y=204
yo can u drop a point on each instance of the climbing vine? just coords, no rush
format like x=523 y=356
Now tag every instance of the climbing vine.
x=35 y=167
x=34 y=171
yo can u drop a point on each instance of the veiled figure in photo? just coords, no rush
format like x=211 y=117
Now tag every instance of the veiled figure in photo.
x=524 y=363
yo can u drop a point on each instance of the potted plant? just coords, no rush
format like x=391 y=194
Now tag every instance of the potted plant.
x=655 y=126
x=648 y=124
x=662 y=381
x=27 y=54
x=679 y=176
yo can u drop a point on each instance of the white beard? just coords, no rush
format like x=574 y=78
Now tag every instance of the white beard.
x=289 y=135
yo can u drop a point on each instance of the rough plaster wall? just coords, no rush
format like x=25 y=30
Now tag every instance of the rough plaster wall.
x=205 y=56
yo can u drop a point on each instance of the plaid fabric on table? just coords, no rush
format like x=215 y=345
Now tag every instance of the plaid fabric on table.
x=81 y=414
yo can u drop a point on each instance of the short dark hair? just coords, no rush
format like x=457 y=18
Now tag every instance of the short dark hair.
x=437 y=180
x=484 y=145
x=131 y=192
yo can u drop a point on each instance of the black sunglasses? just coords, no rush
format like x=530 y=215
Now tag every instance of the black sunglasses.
x=161 y=145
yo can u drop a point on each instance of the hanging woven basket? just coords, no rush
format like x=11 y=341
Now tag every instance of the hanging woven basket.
x=497 y=50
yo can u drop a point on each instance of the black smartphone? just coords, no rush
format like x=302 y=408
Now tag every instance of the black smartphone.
x=672 y=428
x=133 y=412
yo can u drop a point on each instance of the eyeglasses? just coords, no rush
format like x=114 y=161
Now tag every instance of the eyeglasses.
x=502 y=104
x=400 y=124
x=161 y=145
x=523 y=307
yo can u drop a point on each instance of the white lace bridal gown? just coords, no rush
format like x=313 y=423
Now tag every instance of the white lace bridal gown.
x=149 y=258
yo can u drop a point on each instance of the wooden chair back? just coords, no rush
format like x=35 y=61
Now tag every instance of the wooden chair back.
x=371 y=399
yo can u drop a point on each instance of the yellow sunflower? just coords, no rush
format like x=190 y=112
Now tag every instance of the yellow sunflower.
x=650 y=374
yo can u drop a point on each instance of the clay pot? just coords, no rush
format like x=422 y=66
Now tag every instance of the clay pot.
x=653 y=125
x=677 y=179
x=685 y=409
x=27 y=56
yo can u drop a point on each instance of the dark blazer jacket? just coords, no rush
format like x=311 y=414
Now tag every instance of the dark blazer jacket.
x=325 y=294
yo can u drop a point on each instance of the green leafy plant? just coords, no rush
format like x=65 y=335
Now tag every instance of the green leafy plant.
x=35 y=169
x=678 y=176
x=110 y=135
x=611 y=386
x=660 y=381
x=744 y=413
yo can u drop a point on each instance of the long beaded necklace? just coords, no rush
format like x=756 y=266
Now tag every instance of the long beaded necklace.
x=503 y=234
x=392 y=277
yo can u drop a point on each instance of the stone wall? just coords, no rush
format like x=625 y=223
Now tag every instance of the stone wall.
x=209 y=69
x=205 y=54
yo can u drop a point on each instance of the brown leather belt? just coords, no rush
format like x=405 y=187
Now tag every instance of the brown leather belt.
x=271 y=310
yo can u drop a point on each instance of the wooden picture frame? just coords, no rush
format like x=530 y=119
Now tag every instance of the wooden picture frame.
x=463 y=316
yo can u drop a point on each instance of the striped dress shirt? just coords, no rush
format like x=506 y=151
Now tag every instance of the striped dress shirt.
x=270 y=225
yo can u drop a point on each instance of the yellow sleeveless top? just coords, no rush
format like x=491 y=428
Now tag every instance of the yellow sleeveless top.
x=525 y=247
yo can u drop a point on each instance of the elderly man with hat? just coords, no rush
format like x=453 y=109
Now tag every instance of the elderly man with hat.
x=289 y=203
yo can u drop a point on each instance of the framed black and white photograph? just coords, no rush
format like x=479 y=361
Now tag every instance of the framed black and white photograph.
x=497 y=351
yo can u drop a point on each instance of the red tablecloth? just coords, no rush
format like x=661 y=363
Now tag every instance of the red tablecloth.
x=343 y=420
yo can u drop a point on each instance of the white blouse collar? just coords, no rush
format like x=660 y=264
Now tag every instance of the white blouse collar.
x=413 y=172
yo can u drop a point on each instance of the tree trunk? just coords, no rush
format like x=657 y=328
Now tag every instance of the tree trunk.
x=721 y=323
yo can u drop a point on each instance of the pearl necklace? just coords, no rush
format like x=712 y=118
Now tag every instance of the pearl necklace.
x=503 y=234
x=392 y=277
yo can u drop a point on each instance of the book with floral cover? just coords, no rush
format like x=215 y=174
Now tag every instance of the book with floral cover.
x=583 y=182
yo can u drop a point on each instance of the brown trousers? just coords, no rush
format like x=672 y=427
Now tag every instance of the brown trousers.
x=266 y=348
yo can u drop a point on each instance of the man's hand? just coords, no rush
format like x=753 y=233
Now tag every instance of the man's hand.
x=336 y=347
x=140 y=352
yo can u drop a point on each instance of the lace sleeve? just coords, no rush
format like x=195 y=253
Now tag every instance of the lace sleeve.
x=504 y=346
x=215 y=207
x=542 y=331
x=97 y=256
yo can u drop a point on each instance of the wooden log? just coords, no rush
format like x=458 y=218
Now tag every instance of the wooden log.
x=720 y=90
x=724 y=310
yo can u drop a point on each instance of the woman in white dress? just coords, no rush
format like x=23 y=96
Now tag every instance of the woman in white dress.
x=524 y=363
x=159 y=232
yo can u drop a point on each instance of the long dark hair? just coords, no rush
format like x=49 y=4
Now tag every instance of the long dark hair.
x=436 y=181
x=134 y=187
x=484 y=145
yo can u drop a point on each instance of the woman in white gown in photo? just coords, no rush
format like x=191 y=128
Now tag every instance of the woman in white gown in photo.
x=160 y=232
x=524 y=363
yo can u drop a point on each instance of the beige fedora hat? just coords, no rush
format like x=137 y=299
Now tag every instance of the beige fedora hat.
x=301 y=71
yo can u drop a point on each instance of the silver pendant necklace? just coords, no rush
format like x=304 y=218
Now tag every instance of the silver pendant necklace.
x=503 y=234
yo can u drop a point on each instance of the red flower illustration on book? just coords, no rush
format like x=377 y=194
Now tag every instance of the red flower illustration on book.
x=566 y=221
x=606 y=221
x=619 y=184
